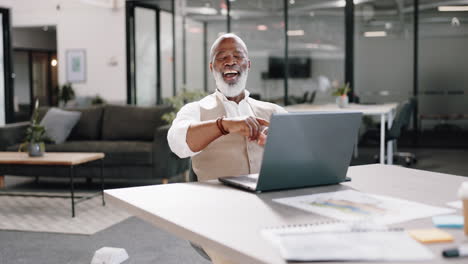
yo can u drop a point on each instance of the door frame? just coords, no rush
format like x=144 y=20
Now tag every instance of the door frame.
x=50 y=89
x=8 y=66
x=130 y=50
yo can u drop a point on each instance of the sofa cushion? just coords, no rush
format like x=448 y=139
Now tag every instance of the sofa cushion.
x=59 y=123
x=131 y=122
x=117 y=153
x=88 y=127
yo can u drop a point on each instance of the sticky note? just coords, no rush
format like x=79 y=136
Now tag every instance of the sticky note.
x=432 y=235
x=448 y=221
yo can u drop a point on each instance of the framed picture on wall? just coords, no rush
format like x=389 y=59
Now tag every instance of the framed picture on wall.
x=76 y=65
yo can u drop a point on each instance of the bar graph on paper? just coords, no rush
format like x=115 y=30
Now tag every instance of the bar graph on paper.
x=351 y=205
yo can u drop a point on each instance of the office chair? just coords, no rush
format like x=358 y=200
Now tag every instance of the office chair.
x=305 y=97
x=400 y=122
x=312 y=97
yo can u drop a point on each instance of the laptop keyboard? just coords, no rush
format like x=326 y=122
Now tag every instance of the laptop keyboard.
x=247 y=179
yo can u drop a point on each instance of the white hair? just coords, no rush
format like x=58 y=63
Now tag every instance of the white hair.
x=223 y=37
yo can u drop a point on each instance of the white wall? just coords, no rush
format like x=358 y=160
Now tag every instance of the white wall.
x=98 y=30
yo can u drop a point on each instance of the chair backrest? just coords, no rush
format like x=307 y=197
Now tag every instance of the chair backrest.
x=312 y=97
x=402 y=119
x=304 y=98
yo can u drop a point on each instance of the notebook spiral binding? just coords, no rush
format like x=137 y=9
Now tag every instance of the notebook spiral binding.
x=307 y=225
x=358 y=226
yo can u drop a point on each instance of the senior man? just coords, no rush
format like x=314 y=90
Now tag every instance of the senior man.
x=224 y=132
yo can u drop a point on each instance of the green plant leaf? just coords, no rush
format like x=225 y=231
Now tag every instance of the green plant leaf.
x=178 y=101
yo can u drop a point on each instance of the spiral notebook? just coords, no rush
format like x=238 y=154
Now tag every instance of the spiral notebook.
x=334 y=241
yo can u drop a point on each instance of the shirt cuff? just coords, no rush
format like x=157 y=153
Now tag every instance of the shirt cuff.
x=178 y=140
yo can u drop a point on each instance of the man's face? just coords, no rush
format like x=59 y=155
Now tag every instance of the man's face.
x=230 y=60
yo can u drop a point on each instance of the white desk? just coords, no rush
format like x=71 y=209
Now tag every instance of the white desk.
x=229 y=220
x=385 y=111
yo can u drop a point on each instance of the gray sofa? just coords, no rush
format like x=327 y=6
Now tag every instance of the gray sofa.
x=133 y=139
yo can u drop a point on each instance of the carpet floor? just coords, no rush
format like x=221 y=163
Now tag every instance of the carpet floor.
x=143 y=242
x=53 y=215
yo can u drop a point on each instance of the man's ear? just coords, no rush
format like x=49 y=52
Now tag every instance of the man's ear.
x=211 y=67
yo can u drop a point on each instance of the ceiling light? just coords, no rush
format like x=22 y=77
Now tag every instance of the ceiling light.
x=262 y=27
x=53 y=62
x=311 y=14
x=452 y=8
x=342 y=3
x=208 y=11
x=292 y=2
x=328 y=47
x=373 y=34
x=298 y=32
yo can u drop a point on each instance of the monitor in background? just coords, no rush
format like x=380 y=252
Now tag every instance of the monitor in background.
x=299 y=67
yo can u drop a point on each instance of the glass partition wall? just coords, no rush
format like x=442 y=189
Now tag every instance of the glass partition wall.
x=316 y=50
x=383 y=64
x=261 y=26
x=443 y=67
x=315 y=54
x=321 y=44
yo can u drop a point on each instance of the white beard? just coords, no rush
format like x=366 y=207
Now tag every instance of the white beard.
x=230 y=90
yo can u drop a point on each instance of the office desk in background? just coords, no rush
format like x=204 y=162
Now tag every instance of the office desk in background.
x=385 y=111
x=229 y=220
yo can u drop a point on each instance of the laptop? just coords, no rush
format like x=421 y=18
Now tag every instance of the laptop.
x=304 y=150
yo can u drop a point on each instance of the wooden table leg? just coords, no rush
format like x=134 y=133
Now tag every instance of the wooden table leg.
x=2 y=181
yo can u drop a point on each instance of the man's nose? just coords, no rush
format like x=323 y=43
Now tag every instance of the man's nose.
x=230 y=60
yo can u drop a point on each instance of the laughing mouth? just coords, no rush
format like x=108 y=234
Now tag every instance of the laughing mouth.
x=230 y=74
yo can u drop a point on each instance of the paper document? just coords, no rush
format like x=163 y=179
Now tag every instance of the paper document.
x=350 y=205
x=340 y=242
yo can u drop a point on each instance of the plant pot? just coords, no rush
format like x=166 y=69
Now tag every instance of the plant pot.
x=36 y=149
x=342 y=101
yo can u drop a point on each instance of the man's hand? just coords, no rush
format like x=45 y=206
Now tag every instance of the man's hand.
x=251 y=127
x=263 y=136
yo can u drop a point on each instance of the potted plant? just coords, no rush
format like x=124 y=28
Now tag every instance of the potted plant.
x=180 y=100
x=66 y=93
x=341 y=93
x=97 y=100
x=35 y=136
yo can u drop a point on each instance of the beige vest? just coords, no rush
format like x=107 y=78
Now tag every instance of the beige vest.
x=229 y=155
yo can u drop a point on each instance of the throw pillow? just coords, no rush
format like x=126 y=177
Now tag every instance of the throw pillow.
x=59 y=123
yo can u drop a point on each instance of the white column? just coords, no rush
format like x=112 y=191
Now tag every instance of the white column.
x=390 y=143
x=382 y=138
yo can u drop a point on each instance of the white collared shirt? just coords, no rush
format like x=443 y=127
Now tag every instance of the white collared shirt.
x=190 y=113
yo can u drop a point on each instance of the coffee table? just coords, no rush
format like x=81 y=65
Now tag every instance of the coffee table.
x=70 y=160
